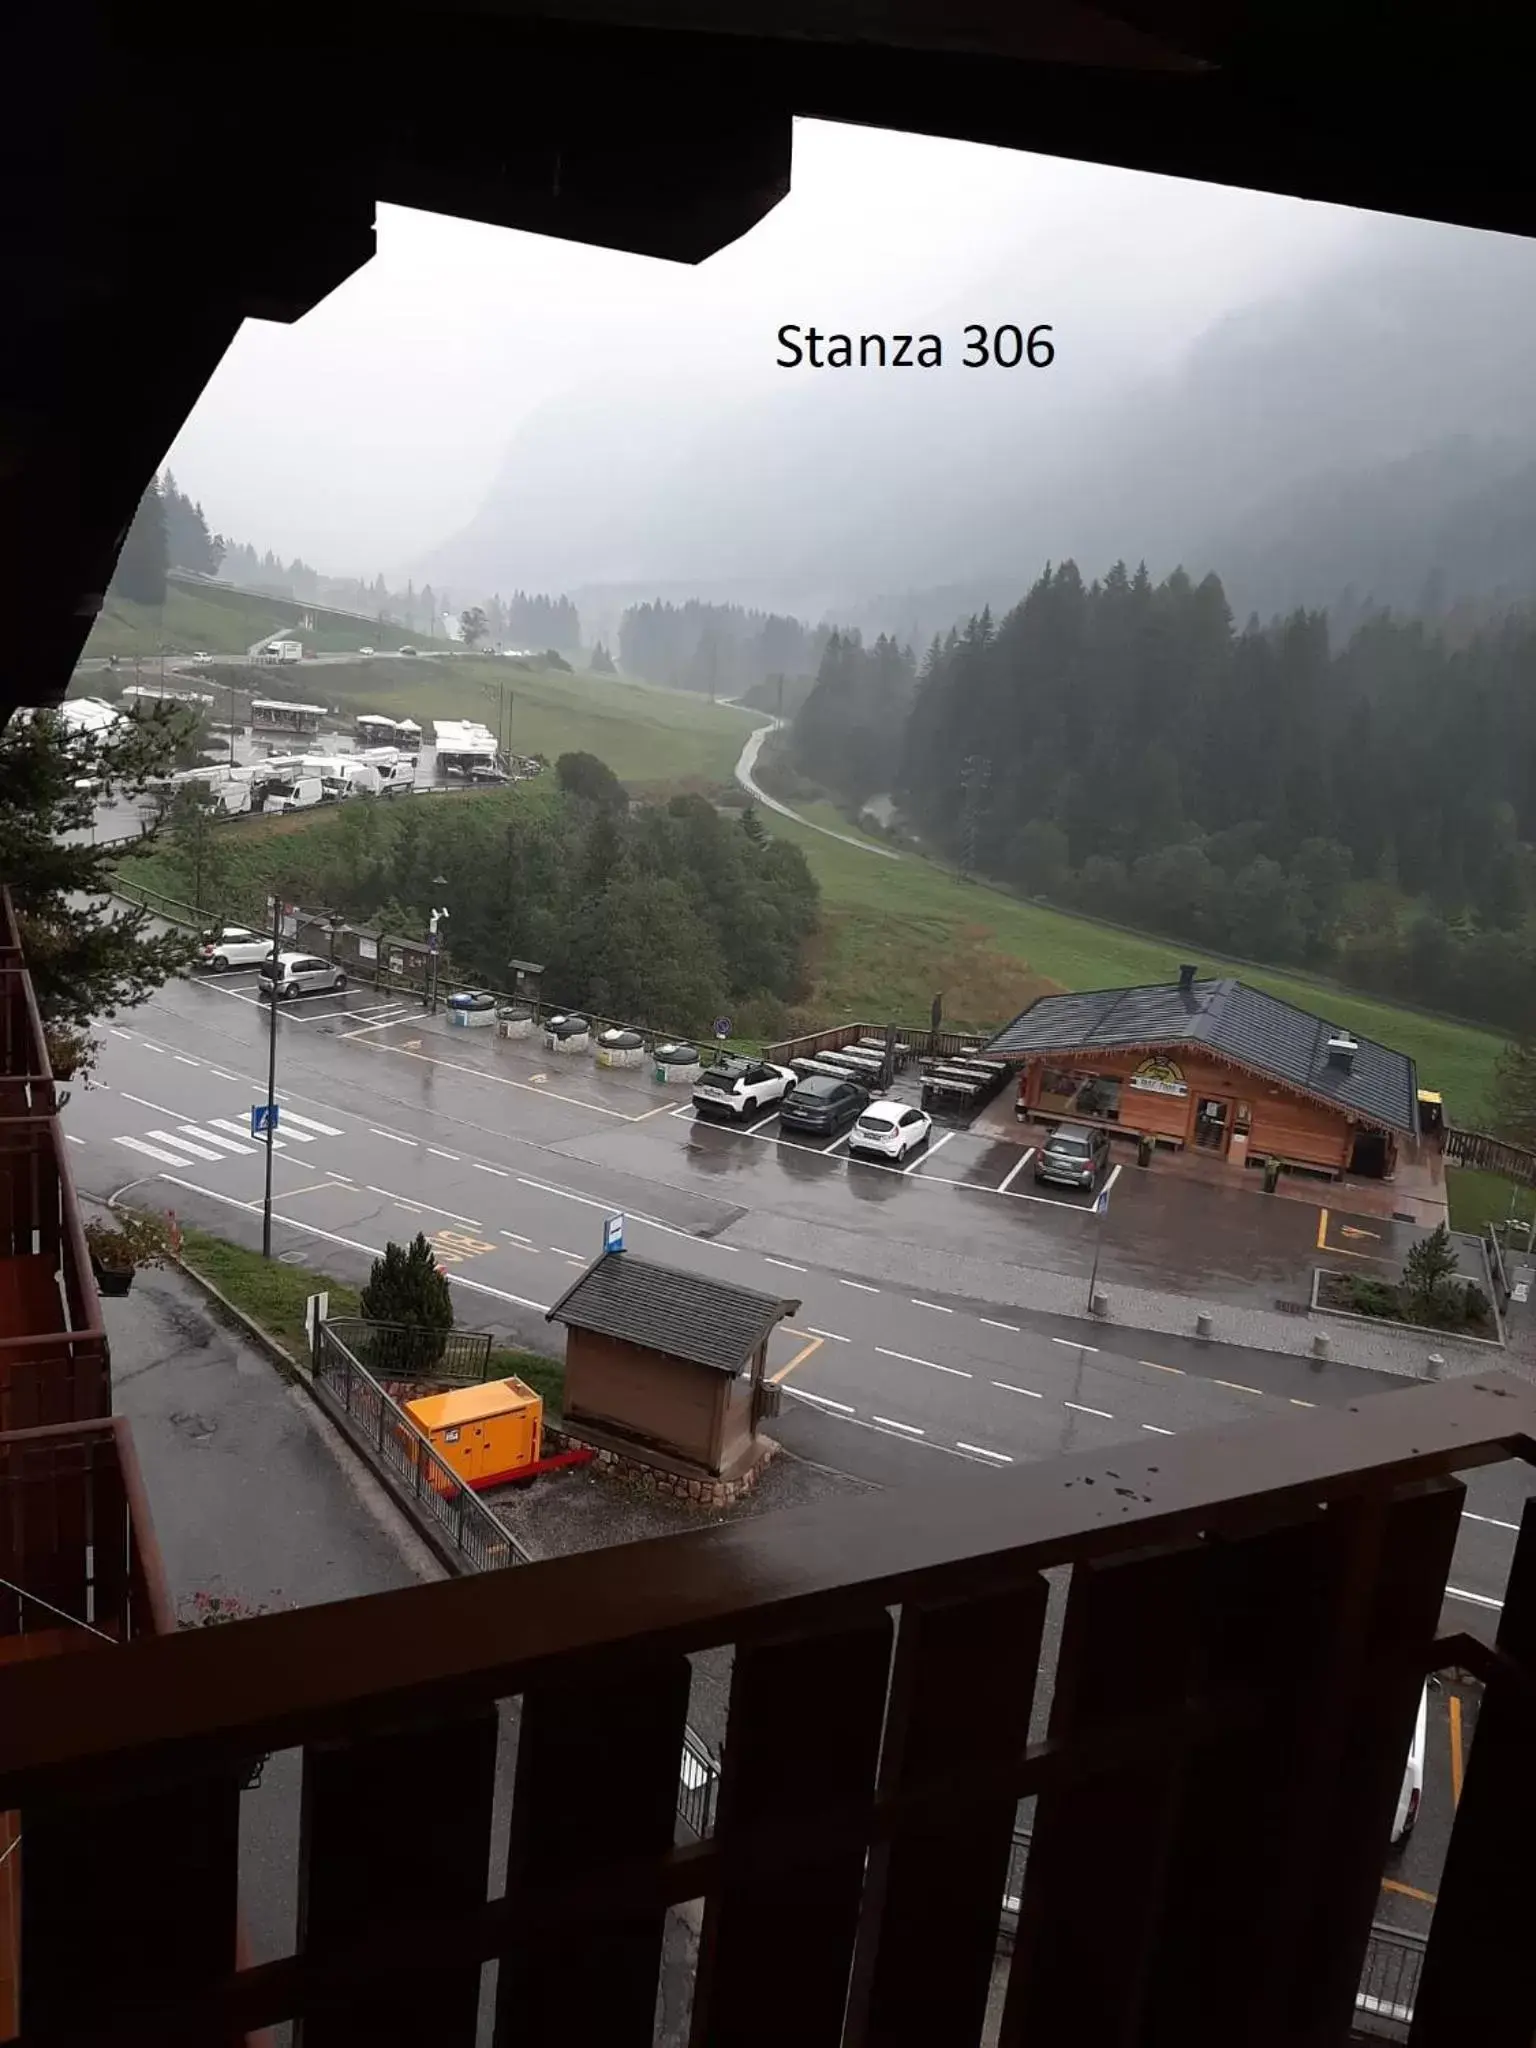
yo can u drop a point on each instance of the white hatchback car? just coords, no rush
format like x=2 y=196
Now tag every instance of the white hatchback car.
x=236 y=945
x=890 y=1130
x=1412 y=1792
x=738 y=1087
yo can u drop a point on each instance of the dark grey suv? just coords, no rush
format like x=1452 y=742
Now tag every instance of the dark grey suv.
x=820 y=1105
x=1074 y=1155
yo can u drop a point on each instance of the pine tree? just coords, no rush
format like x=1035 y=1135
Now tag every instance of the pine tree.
x=141 y=563
x=406 y=1287
x=1427 y=1268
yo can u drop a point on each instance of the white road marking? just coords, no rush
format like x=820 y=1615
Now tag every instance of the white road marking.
x=1014 y=1171
x=1115 y=1173
x=412 y=1202
x=213 y=1138
x=307 y=1123
x=144 y=1102
x=1156 y=1431
x=391 y=1135
x=186 y=1144
x=219 y=1074
x=860 y=1285
x=153 y=1151
x=1178 y=1370
x=934 y=1145
x=150 y=1046
x=73 y=1139
x=516 y=1237
x=1476 y=1599
x=753 y=1129
x=821 y=1400
x=502 y=1080
x=119 y=1034
x=225 y=1123
x=1009 y=1388
x=981 y=1451
x=830 y=1334
x=937 y=1306
x=890 y=1422
x=908 y=1359
x=1295 y=1403
x=185 y=1061
x=1236 y=1387
x=382 y=1024
x=499 y=1171
x=1072 y=1344
x=782 y=1262
x=1492 y=1520
x=992 y=1325
x=560 y=1252
x=835 y=1143
x=1104 y=1412
x=438 y=1153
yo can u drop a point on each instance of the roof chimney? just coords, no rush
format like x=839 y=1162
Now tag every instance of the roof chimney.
x=1187 y=972
x=1341 y=1051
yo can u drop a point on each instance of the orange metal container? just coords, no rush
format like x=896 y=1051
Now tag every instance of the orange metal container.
x=486 y=1434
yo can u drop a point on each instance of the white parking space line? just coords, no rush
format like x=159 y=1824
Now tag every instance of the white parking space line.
x=1072 y=1344
x=937 y=1306
x=821 y=1400
x=908 y=1358
x=1082 y=1410
x=862 y=1287
x=835 y=1143
x=831 y=1334
x=934 y=1145
x=785 y=1263
x=393 y=1136
x=1014 y=1171
x=1474 y=1599
x=1492 y=1521
x=1008 y=1387
x=213 y=1138
x=890 y=1422
x=153 y=1151
x=1114 y=1175
x=993 y=1325
x=753 y=1129
x=981 y=1451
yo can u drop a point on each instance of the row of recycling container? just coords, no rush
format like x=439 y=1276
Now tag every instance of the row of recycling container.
x=573 y=1034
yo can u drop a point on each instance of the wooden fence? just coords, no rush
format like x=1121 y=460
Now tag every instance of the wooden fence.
x=1490 y=1155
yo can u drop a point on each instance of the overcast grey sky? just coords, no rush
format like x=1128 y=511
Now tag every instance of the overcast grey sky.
x=366 y=434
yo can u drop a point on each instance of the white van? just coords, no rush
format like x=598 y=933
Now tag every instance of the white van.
x=296 y=795
x=396 y=778
x=1412 y=1793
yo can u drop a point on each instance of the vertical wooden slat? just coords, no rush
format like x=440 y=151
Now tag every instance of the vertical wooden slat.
x=127 y=1905
x=1478 y=1981
x=1268 y=1626
x=1079 y=1964
x=802 y=1742
x=961 y=1693
x=395 y=1828
x=1335 y=1888
x=597 y=1779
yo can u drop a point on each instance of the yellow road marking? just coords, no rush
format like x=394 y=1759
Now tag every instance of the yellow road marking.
x=1458 y=1761
x=1322 y=1230
x=807 y=1350
x=1408 y=1891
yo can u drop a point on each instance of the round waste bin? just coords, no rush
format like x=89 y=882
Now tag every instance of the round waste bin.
x=678 y=1063
x=471 y=1007
x=567 y=1034
x=514 y=1020
x=620 y=1049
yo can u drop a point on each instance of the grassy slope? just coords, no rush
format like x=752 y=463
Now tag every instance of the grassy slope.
x=224 y=621
x=897 y=932
x=1478 y=1199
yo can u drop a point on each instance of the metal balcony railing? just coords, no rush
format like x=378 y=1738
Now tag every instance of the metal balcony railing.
x=1248 y=1618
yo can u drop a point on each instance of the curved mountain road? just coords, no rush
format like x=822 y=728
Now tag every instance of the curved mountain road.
x=754 y=789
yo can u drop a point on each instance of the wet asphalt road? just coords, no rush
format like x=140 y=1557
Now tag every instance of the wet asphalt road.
x=915 y=1338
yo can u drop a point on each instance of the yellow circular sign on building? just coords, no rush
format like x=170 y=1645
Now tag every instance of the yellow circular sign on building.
x=1159 y=1076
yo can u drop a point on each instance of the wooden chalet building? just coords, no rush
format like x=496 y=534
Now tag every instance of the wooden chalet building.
x=1218 y=1065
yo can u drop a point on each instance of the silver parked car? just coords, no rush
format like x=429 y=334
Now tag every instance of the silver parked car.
x=301 y=974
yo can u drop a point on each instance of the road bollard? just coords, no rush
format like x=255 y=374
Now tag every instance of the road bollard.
x=1320 y=1346
x=1099 y=1305
x=1202 y=1324
x=1434 y=1365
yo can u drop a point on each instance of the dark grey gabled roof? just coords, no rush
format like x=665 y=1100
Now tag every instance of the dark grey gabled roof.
x=1240 y=1023
x=667 y=1309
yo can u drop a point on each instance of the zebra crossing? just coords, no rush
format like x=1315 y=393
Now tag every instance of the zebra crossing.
x=219 y=1138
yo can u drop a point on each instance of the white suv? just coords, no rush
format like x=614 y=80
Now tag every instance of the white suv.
x=236 y=945
x=302 y=974
x=740 y=1087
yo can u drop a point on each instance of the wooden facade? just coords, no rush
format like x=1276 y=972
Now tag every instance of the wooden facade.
x=1190 y=1095
x=652 y=1401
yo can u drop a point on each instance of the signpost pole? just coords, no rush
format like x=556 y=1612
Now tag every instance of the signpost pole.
x=1100 y=1209
x=266 y=1201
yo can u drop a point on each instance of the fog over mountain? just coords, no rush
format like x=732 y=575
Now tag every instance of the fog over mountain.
x=1319 y=404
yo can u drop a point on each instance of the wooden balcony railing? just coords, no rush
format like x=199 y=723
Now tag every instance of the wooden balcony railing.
x=1248 y=1618
x=53 y=1347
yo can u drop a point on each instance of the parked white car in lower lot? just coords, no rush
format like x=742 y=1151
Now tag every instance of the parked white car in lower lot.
x=301 y=974
x=738 y=1087
x=890 y=1130
x=235 y=945
x=1413 y=1778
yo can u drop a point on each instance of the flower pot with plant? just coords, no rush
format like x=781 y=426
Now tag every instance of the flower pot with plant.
x=120 y=1246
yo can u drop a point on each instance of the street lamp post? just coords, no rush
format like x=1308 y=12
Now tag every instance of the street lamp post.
x=435 y=936
x=275 y=983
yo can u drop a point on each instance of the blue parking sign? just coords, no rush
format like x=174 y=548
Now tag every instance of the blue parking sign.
x=263 y=1118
